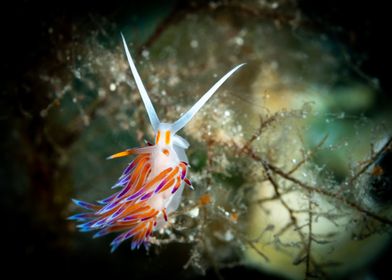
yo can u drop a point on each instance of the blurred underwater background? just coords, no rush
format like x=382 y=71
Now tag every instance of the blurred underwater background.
x=290 y=159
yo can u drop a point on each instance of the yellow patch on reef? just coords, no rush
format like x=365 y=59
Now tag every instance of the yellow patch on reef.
x=205 y=199
x=377 y=170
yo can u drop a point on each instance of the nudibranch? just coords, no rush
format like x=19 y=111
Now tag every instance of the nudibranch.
x=152 y=184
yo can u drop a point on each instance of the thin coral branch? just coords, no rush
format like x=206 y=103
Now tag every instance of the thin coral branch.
x=336 y=196
x=310 y=236
x=263 y=125
x=308 y=155
x=373 y=158
x=319 y=189
x=293 y=219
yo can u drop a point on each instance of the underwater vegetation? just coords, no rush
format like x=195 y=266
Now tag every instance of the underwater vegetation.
x=289 y=160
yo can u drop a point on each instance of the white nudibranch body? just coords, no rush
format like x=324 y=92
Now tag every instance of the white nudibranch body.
x=152 y=184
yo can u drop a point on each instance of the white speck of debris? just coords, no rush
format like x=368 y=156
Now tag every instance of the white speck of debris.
x=228 y=236
x=50 y=30
x=101 y=92
x=146 y=54
x=341 y=115
x=275 y=5
x=173 y=81
x=213 y=5
x=86 y=120
x=194 y=44
x=74 y=100
x=239 y=41
x=274 y=65
x=194 y=212
x=163 y=92
x=112 y=87
x=227 y=113
x=77 y=74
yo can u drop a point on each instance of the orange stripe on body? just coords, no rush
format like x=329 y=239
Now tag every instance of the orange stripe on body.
x=172 y=174
x=122 y=154
x=140 y=157
x=170 y=180
x=167 y=185
x=137 y=210
x=149 y=229
x=164 y=214
x=141 y=233
x=183 y=165
x=142 y=179
x=158 y=136
x=112 y=211
x=132 y=151
x=136 y=225
x=166 y=152
x=137 y=171
x=178 y=183
x=167 y=137
x=150 y=214
x=139 y=228
x=158 y=178
x=118 y=228
x=145 y=213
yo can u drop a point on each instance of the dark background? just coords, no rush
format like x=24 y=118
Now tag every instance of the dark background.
x=30 y=244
